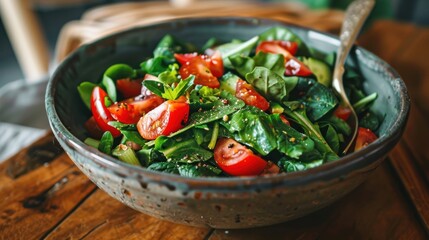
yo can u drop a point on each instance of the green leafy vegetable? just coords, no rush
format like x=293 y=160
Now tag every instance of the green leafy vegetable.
x=233 y=48
x=319 y=100
x=113 y=73
x=268 y=83
x=106 y=143
x=85 y=92
x=184 y=151
x=167 y=167
x=200 y=170
x=289 y=165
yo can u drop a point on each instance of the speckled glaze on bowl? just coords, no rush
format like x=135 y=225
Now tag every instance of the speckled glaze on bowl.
x=217 y=202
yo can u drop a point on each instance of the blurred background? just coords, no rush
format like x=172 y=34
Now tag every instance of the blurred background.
x=52 y=15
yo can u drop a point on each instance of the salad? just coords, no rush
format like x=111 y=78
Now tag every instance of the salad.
x=243 y=108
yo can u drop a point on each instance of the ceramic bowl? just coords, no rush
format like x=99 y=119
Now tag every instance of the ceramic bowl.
x=217 y=202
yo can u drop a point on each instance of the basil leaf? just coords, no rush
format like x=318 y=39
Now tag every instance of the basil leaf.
x=182 y=87
x=85 y=92
x=369 y=120
x=109 y=85
x=154 y=86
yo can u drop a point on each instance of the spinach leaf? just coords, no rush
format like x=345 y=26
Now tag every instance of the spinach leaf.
x=289 y=165
x=228 y=82
x=167 y=167
x=331 y=137
x=183 y=151
x=253 y=127
x=268 y=83
x=122 y=126
x=106 y=143
x=200 y=170
x=282 y=33
x=168 y=45
x=369 y=120
x=364 y=103
x=274 y=62
x=242 y=64
x=339 y=125
x=289 y=141
x=154 y=66
x=113 y=73
x=296 y=111
x=233 y=48
x=133 y=136
x=319 y=100
x=85 y=92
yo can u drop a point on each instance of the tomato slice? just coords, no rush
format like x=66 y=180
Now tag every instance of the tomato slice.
x=364 y=137
x=168 y=117
x=200 y=69
x=286 y=48
x=215 y=62
x=271 y=168
x=237 y=160
x=284 y=119
x=212 y=57
x=99 y=110
x=130 y=111
x=183 y=58
x=294 y=67
x=250 y=96
x=129 y=87
x=93 y=129
x=342 y=112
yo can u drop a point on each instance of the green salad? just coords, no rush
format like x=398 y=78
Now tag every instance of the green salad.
x=246 y=107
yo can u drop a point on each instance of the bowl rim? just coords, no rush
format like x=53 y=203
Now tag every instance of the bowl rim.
x=327 y=171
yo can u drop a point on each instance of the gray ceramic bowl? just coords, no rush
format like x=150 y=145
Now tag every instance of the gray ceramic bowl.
x=217 y=202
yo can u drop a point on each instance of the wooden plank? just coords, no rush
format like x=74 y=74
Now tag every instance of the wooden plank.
x=385 y=43
x=36 y=200
x=375 y=210
x=403 y=161
x=103 y=217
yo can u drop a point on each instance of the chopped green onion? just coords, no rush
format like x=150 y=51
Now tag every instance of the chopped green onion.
x=92 y=142
x=215 y=133
x=126 y=154
x=360 y=105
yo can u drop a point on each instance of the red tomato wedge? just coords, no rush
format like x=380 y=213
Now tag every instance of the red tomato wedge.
x=200 y=69
x=93 y=129
x=271 y=168
x=342 y=112
x=294 y=67
x=250 y=96
x=364 y=137
x=237 y=160
x=129 y=87
x=183 y=58
x=286 y=48
x=168 y=117
x=215 y=62
x=130 y=111
x=100 y=112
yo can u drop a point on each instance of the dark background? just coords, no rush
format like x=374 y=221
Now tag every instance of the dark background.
x=53 y=18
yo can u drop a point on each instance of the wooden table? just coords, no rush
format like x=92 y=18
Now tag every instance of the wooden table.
x=43 y=195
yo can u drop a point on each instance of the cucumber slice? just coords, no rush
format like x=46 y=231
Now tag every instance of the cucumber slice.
x=321 y=70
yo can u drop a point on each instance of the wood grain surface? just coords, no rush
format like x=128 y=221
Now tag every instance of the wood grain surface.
x=45 y=196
